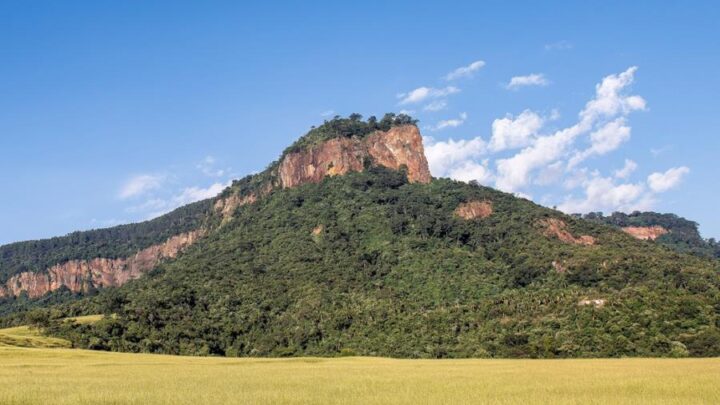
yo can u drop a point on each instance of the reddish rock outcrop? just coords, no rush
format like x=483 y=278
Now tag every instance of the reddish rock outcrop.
x=474 y=209
x=226 y=206
x=81 y=275
x=645 y=232
x=399 y=146
x=556 y=228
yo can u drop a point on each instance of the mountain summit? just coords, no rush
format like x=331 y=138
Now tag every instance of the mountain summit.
x=346 y=245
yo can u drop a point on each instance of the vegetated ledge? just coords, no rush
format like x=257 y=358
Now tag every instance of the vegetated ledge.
x=398 y=147
x=82 y=275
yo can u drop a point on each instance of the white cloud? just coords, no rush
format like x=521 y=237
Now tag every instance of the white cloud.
x=451 y=123
x=534 y=79
x=604 y=140
x=660 y=182
x=559 y=46
x=436 y=105
x=602 y=194
x=608 y=99
x=509 y=132
x=158 y=206
x=140 y=184
x=327 y=113
x=465 y=71
x=444 y=156
x=552 y=158
x=470 y=170
x=516 y=172
x=426 y=93
x=207 y=167
x=627 y=169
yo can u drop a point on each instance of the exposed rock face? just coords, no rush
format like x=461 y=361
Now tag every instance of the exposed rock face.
x=81 y=275
x=394 y=148
x=556 y=228
x=318 y=230
x=474 y=209
x=227 y=206
x=645 y=232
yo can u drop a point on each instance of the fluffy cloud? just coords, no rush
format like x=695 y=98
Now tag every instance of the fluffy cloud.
x=604 y=140
x=426 y=93
x=436 y=105
x=516 y=172
x=465 y=71
x=158 y=206
x=534 y=79
x=629 y=167
x=444 y=156
x=450 y=123
x=141 y=184
x=602 y=194
x=509 y=132
x=660 y=182
x=469 y=170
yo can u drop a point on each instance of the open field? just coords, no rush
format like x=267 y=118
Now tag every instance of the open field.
x=67 y=376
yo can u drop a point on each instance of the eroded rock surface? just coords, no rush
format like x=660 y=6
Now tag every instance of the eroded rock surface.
x=645 y=232
x=474 y=209
x=81 y=275
x=399 y=146
x=557 y=228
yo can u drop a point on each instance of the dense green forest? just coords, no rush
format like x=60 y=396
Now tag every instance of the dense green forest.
x=369 y=264
x=118 y=241
x=353 y=126
x=683 y=236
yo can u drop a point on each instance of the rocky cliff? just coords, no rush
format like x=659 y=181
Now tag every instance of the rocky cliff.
x=81 y=275
x=399 y=146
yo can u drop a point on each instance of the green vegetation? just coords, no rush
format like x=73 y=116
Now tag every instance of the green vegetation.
x=63 y=377
x=115 y=242
x=683 y=237
x=394 y=273
x=353 y=126
x=26 y=336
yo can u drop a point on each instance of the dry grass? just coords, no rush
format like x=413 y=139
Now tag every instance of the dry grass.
x=66 y=376
x=25 y=336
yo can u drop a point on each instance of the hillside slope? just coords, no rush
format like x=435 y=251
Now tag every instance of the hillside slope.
x=370 y=264
x=345 y=245
x=668 y=230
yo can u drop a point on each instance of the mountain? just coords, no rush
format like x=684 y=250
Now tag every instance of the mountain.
x=346 y=245
x=668 y=230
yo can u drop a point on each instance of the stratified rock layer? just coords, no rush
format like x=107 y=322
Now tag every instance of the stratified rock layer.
x=81 y=275
x=397 y=147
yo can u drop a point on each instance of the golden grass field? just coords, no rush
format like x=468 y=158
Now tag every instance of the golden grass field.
x=32 y=375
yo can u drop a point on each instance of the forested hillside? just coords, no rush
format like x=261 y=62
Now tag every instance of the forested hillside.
x=118 y=241
x=370 y=264
x=682 y=235
x=346 y=245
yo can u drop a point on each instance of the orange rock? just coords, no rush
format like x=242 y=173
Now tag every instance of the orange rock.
x=645 y=232
x=474 y=209
x=558 y=229
x=400 y=146
x=80 y=275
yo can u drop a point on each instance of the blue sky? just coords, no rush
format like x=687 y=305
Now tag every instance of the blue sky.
x=113 y=112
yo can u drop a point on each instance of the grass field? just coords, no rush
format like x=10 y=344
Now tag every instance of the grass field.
x=31 y=375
